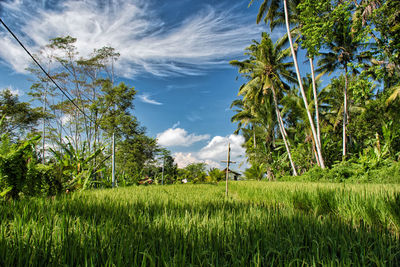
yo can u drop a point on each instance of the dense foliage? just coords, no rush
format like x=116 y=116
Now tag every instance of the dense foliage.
x=346 y=108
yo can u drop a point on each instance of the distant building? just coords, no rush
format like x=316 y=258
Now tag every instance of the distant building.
x=232 y=175
x=146 y=181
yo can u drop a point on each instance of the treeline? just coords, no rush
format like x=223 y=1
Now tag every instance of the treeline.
x=63 y=141
x=343 y=114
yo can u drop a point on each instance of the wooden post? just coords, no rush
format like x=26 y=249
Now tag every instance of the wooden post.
x=113 y=161
x=162 y=174
x=228 y=161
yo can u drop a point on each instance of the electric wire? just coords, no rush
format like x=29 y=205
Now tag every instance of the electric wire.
x=44 y=71
x=51 y=79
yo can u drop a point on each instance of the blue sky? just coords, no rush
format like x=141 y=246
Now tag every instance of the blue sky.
x=175 y=53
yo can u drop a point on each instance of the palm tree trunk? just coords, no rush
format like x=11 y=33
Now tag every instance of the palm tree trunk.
x=282 y=130
x=316 y=112
x=345 y=114
x=301 y=85
x=315 y=153
x=315 y=101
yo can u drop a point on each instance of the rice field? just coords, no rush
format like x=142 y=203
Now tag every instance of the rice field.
x=259 y=224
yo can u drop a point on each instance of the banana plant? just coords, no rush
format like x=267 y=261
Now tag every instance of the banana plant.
x=76 y=167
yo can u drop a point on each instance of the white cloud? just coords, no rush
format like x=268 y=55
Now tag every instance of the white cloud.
x=15 y=92
x=13 y=55
x=184 y=159
x=145 y=98
x=215 y=152
x=146 y=43
x=217 y=148
x=66 y=119
x=179 y=137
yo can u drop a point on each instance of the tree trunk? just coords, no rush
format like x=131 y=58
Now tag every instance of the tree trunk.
x=315 y=101
x=301 y=85
x=315 y=153
x=76 y=129
x=282 y=130
x=270 y=174
x=345 y=114
x=44 y=129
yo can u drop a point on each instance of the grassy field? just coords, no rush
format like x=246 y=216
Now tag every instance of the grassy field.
x=260 y=224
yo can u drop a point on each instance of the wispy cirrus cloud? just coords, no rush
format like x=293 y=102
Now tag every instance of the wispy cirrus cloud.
x=145 y=98
x=176 y=124
x=147 y=43
x=192 y=117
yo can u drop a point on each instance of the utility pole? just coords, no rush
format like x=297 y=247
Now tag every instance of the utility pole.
x=113 y=160
x=162 y=173
x=228 y=161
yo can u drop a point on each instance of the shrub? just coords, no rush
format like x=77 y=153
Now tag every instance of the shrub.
x=14 y=162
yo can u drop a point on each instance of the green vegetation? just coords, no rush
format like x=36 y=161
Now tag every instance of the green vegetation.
x=349 y=122
x=297 y=129
x=181 y=225
x=72 y=149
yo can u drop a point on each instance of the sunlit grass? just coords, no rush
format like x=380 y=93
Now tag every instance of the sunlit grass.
x=181 y=225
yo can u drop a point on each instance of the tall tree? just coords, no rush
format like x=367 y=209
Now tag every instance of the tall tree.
x=269 y=9
x=266 y=70
x=19 y=117
x=343 y=49
x=297 y=114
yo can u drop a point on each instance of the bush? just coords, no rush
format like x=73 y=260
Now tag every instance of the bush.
x=42 y=180
x=215 y=175
x=14 y=161
x=387 y=172
x=21 y=173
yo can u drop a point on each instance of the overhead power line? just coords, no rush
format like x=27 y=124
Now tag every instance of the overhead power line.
x=44 y=71
x=69 y=98
x=51 y=79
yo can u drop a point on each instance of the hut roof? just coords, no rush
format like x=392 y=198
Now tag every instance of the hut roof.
x=230 y=171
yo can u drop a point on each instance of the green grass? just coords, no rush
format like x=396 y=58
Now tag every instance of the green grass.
x=260 y=224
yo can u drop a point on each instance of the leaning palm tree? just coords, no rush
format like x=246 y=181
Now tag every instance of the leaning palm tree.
x=269 y=9
x=294 y=108
x=254 y=115
x=277 y=18
x=244 y=117
x=266 y=70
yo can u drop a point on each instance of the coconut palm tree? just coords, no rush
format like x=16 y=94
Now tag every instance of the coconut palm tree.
x=266 y=70
x=255 y=114
x=343 y=49
x=294 y=109
x=244 y=117
x=270 y=10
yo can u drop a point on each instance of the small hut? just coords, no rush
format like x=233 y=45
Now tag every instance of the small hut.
x=232 y=175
